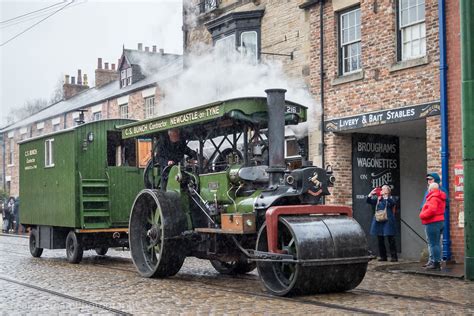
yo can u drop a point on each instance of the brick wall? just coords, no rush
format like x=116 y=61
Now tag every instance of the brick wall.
x=383 y=84
x=454 y=122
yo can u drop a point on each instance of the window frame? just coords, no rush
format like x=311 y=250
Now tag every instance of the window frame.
x=342 y=45
x=287 y=139
x=121 y=107
x=147 y=115
x=49 y=149
x=242 y=53
x=11 y=154
x=400 y=31
x=97 y=116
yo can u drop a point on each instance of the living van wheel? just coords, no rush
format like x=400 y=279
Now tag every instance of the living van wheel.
x=233 y=267
x=156 y=222
x=74 y=250
x=35 y=250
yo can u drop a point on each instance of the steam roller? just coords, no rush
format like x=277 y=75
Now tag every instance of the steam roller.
x=320 y=253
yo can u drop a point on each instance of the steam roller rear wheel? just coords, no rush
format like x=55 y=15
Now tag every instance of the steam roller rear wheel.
x=328 y=241
x=156 y=222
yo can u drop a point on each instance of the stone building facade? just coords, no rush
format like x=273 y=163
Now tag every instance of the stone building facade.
x=282 y=34
x=138 y=99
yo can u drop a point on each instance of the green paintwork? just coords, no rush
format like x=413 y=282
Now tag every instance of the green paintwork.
x=214 y=186
x=252 y=109
x=467 y=62
x=80 y=190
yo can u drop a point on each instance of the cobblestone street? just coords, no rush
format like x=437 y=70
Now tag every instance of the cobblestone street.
x=110 y=285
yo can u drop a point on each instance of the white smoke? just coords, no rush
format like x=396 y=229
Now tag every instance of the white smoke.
x=217 y=76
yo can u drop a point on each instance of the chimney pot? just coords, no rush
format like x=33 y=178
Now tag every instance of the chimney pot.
x=113 y=66
x=85 y=80
x=79 y=76
x=140 y=46
x=66 y=79
x=154 y=48
x=73 y=80
x=106 y=65
x=99 y=63
x=147 y=49
x=162 y=51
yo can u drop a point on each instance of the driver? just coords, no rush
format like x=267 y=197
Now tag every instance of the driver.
x=173 y=148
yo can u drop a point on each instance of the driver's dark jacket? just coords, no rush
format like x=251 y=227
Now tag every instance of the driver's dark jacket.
x=168 y=150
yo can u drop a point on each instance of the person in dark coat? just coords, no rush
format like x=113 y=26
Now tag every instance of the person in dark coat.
x=432 y=216
x=8 y=215
x=16 y=214
x=387 y=228
x=171 y=151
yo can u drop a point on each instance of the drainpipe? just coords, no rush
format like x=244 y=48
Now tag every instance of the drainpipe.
x=467 y=86
x=444 y=126
x=321 y=76
x=3 y=162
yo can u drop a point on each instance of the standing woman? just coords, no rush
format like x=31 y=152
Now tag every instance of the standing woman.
x=384 y=225
x=432 y=216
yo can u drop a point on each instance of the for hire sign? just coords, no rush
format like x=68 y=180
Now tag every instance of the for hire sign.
x=375 y=162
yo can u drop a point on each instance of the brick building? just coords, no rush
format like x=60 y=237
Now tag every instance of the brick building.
x=130 y=90
x=374 y=66
x=453 y=50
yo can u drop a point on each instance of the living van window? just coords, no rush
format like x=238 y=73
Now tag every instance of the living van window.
x=49 y=152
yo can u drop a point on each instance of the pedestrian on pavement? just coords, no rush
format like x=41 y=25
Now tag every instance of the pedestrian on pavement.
x=8 y=215
x=16 y=214
x=383 y=221
x=431 y=177
x=432 y=216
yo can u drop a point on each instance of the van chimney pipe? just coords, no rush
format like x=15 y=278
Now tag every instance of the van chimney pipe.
x=276 y=134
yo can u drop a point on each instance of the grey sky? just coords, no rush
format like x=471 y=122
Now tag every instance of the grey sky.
x=32 y=64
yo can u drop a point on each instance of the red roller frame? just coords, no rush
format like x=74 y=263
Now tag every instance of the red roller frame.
x=272 y=214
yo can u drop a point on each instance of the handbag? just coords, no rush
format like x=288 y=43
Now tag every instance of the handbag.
x=381 y=215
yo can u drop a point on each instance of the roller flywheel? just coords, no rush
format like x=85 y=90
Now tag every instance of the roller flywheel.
x=330 y=255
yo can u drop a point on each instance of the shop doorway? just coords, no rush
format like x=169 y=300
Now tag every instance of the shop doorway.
x=393 y=154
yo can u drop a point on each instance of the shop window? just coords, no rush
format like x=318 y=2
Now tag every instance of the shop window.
x=350 y=41
x=49 y=152
x=411 y=29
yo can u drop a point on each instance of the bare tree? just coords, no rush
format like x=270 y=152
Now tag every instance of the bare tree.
x=29 y=108
x=58 y=92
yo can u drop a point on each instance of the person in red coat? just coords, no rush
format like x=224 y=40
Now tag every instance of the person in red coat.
x=432 y=216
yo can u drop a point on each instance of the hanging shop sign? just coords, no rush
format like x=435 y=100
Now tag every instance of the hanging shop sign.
x=407 y=113
x=458 y=182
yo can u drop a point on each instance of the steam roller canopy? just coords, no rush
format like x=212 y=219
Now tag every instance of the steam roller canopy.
x=330 y=251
